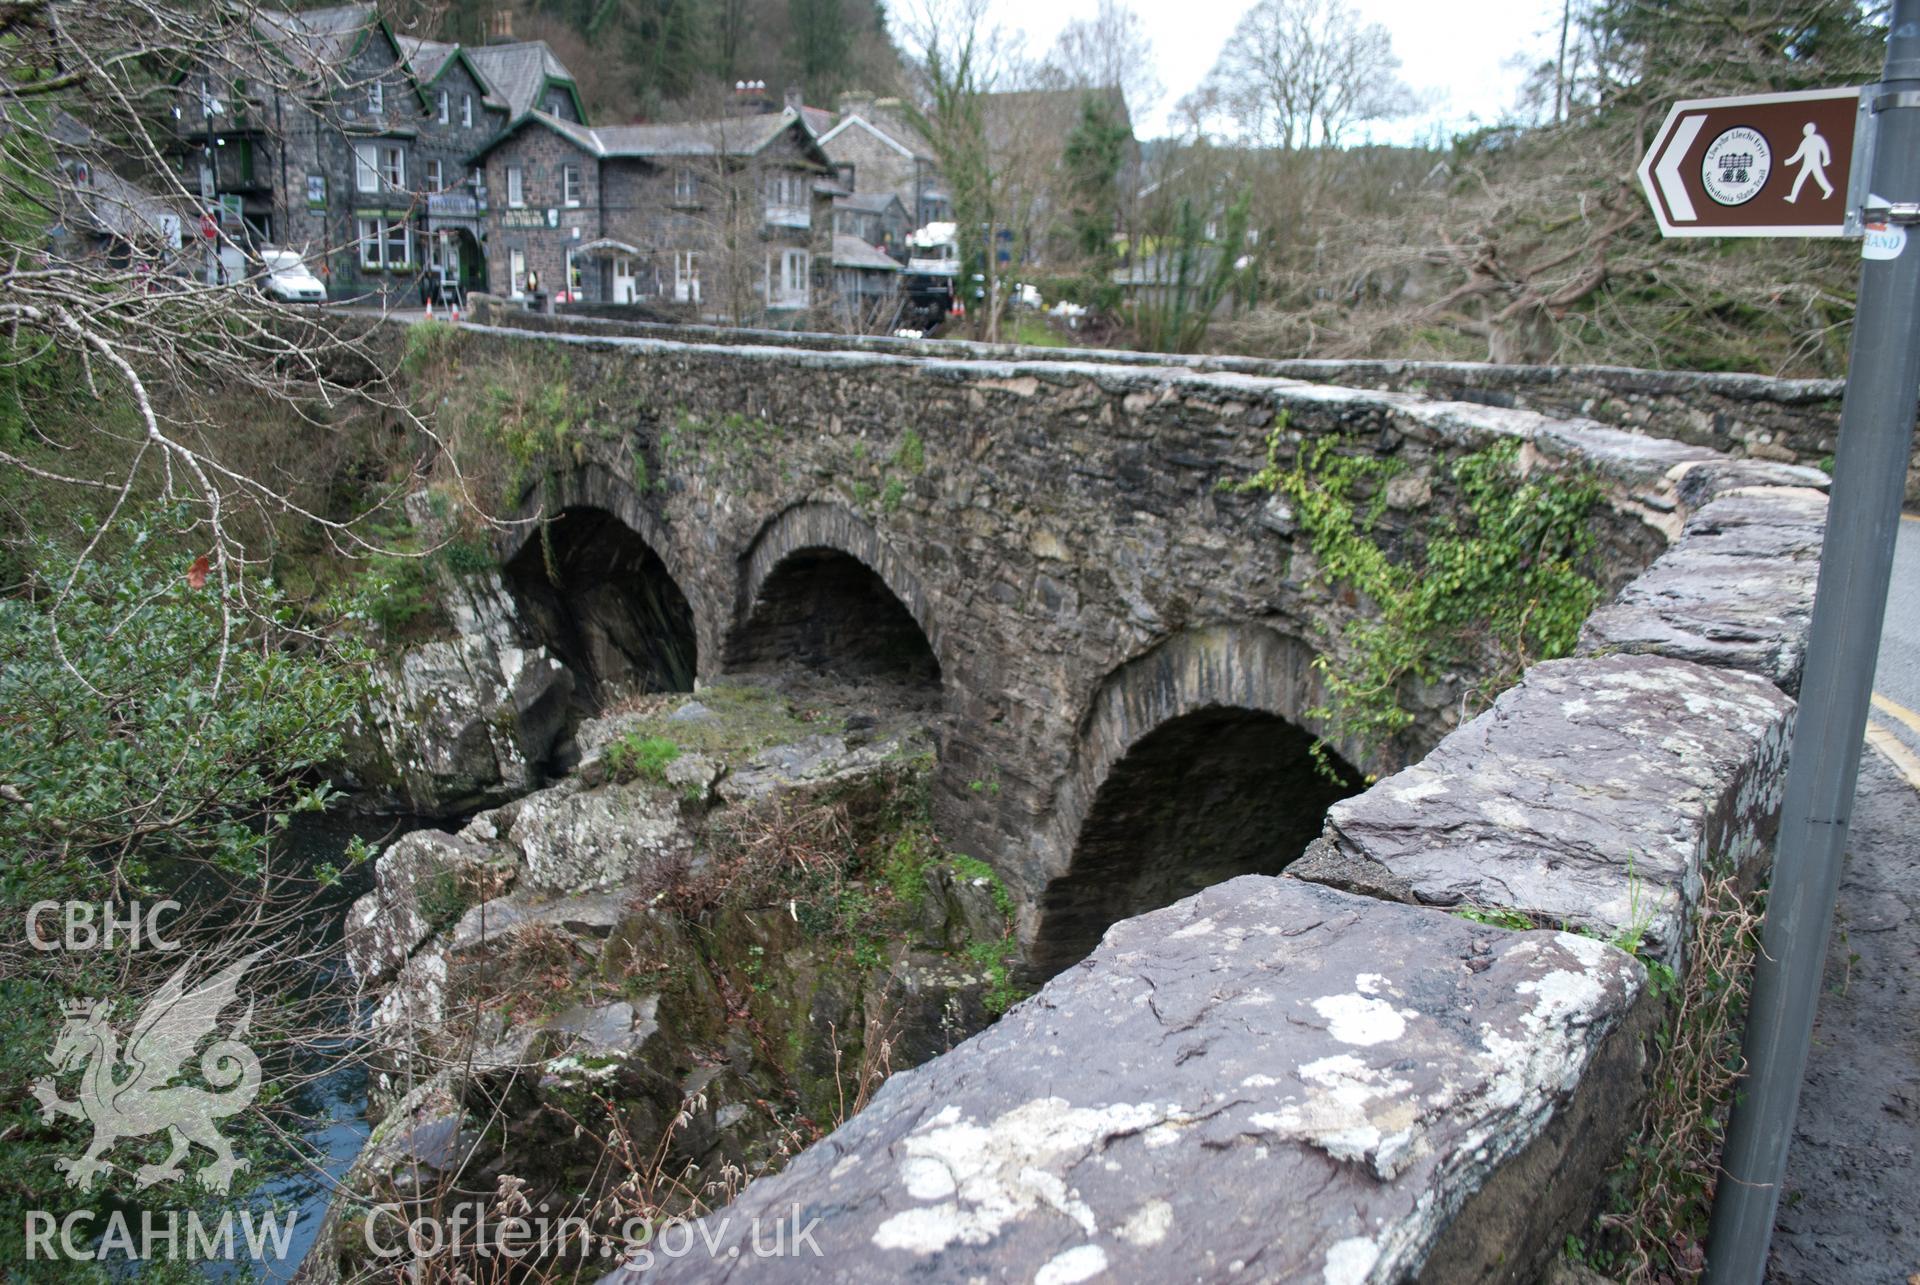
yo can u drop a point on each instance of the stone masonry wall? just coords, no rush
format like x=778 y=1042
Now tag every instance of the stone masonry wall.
x=1327 y=1077
x=1744 y=416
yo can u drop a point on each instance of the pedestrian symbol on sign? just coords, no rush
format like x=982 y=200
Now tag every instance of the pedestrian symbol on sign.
x=1813 y=158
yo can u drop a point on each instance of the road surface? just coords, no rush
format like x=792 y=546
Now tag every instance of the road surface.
x=1851 y=1209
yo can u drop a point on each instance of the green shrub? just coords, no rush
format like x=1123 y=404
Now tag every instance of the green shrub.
x=911 y=453
x=640 y=758
x=142 y=760
x=1504 y=584
x=427 y=342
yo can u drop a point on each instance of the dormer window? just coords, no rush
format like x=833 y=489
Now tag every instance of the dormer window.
x=466 y=111
x=443 y=104
x=376 y=98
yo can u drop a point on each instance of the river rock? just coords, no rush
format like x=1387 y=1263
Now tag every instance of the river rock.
x=572 y=839
x=1591 y=795
x=419 y=885
x=1236 y=1086
x=470 y=720
x=1735 y=591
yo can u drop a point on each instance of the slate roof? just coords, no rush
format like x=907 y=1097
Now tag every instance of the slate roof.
x=426 y=57
x=516 y=73
x=869 y=202
x=852 y=252
x=739 y=136
x=318 y=38
x=117 y=208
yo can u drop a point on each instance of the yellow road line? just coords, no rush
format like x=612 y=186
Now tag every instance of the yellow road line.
x=1895 y=710
x=1896 y=752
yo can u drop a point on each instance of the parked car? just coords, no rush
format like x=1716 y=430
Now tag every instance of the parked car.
x=288 y=279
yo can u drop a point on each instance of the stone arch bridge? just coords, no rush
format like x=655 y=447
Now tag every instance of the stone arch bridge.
x=1121 y=643
x=1328 y=1077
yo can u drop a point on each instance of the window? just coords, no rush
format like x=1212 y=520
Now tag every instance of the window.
x=385 y=245
x=393 y=167
x=366 y=167
x=686 y=186
x=435 y=177
x=399 y=244
x=441 y=102
x=210 y=104
x=574 y=285
x=516 y=192
x=477 y=184
x=517 y=272
x=376 y=98
x=786 y=189
x=379 y=166
x=787 y=272
x=570 y=185
x=466 y=110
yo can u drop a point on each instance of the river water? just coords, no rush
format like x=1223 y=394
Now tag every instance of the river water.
x=328 y=1111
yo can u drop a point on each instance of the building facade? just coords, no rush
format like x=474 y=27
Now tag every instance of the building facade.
x=353 y=151
x=730 y=218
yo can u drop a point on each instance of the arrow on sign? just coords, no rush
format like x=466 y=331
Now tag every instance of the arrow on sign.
x=1667 y=172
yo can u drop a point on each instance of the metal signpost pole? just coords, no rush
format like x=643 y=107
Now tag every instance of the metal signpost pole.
x=1856 y=560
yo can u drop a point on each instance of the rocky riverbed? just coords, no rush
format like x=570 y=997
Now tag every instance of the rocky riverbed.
x=629 y=993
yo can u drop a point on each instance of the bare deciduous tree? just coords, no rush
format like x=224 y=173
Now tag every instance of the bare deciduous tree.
x=93 y=96
x=1110 y=50
x=1303 y=73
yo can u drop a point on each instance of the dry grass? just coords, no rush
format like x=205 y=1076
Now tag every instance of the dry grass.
x=1656 y=1232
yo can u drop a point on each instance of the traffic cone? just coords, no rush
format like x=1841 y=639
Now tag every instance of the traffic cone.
x=429 y=309
x=456 y=314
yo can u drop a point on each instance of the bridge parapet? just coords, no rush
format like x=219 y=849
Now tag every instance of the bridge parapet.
x=1793 y=421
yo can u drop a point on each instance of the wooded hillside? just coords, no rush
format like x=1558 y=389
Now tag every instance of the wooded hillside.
x=635 y=59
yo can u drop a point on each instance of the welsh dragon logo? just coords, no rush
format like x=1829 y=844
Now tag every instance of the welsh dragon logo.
x=130 y=1094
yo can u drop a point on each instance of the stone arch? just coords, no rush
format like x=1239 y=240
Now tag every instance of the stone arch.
x=598 y=594
x=594 y=485
x=820 y=588
x=1192 y=766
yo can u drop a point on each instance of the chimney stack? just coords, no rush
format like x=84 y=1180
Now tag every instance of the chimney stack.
x=795 y=99
x=500 y=27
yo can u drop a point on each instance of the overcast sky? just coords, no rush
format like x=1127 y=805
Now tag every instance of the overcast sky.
x=1463 y=56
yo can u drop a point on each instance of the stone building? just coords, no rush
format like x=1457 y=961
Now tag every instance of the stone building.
x=352 y=148
x=876 y=219
x=874 y=149
x=732 y=217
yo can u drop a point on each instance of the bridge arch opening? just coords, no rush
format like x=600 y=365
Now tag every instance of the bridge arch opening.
x=592 y=590
x=1195 y=765
x=822 y=610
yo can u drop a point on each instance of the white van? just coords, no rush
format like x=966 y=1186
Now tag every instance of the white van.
x=288 y=279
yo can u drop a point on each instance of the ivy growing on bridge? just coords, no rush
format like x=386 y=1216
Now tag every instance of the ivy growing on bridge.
x=1501 y=582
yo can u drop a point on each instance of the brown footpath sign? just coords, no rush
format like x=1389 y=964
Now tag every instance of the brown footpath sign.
x=1758 y=165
